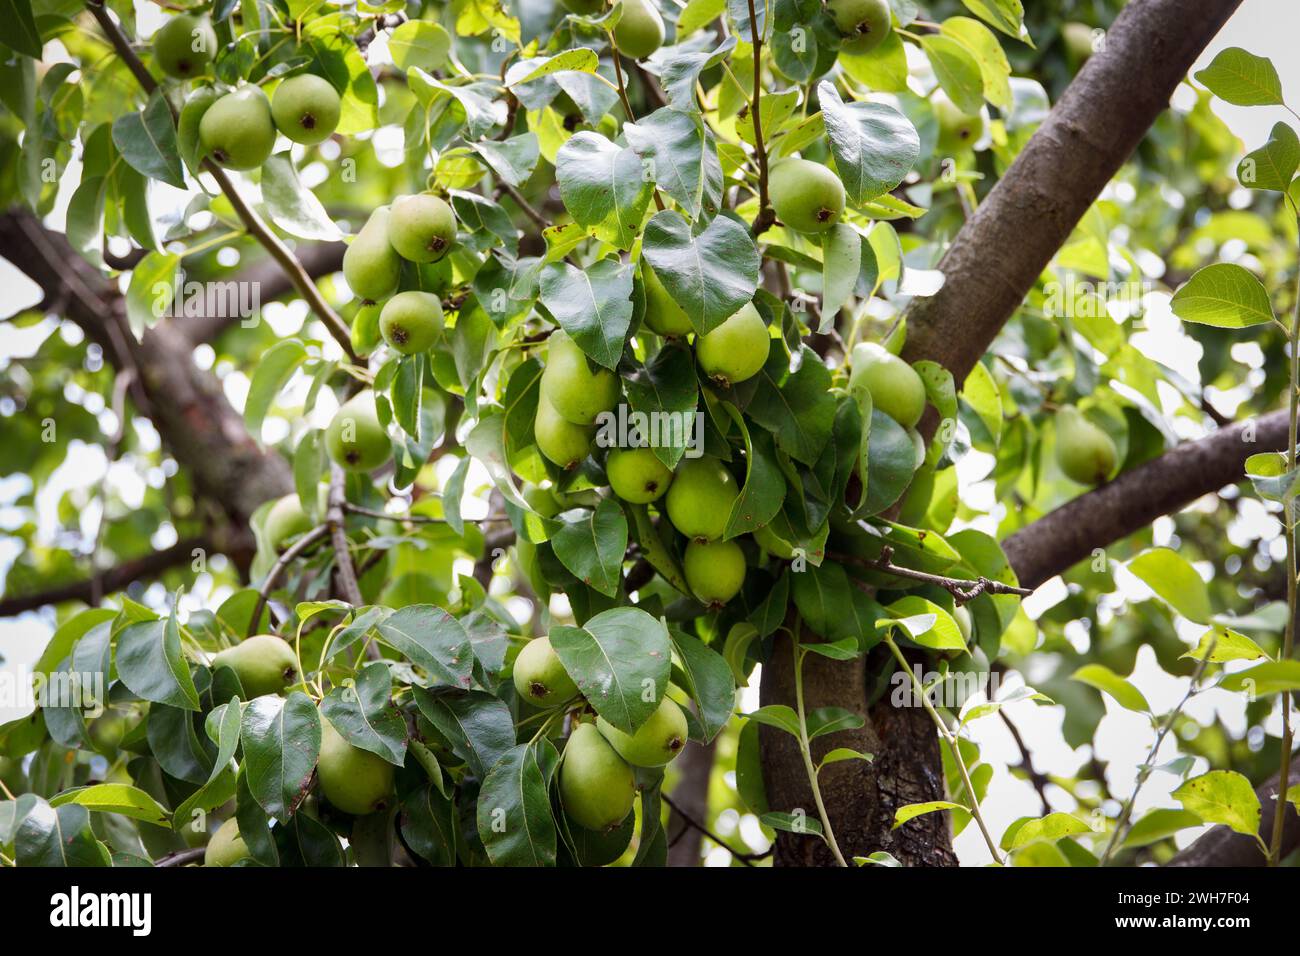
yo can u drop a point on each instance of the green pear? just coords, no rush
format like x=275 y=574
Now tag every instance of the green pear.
x=576 y=388
x=771 y=542
x=422 y=228
x=237 y=130
x=864 y=24
x=640 y=31
x=558 y=439
x=1085 y=453
x=353 y=780
x=542 y=500
x=736 y=349
x=715 y=570
x=701 y=497
x=637 y=475
x=656 y=742
x=1078 y=38
x=806 y=196
x=540 y=678
x=958 y=131
x=184 y=46
x=286 y=519
x=355 y=439
x=895 y=387
x=306 y=108
x=264 y=664
x=371 y=265
x=662 y=313
x=365 y=329
x=227 y=847
x=597 y=786
x=411 y=322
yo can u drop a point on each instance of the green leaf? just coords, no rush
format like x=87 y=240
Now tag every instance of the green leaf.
x=20 y=33
x=779 y=716
x=513 y=159
x=58 y=836
x=798 y=823
x=593 y=547
x=365 y=715
x=431 y=638
x=667 y=384
x=841 y=266
x=984 y=47
x=620 y=660
x=795 y=405
x=710 y=682
x=956 y=70
x=116 y=798
x=710 y=275
x=272 y=371
x=1157 y=825
x=841 y=754
x=1222 y=796
x=593 y=305
x=1273 y=165
x=874 y=145
x=1242 y=79
x=913 y=810
x=147 y=141
x=1224 y=295
x=1175 y=582
x=281 y=738
x=1006 y=15
x=514 y=808
x=292 y=206
x=1227 y=645
x=764 y=488
x=1053 y=827
x=980 y=392
x=151 y=292
x=925 y=623
x=150 y=664
x=890 y=462
x=681 y=158
x=1271 y=677
x=602 y=187
x=419 y=43
x=1269 y=474
x=1104 y=679
x=477 y=725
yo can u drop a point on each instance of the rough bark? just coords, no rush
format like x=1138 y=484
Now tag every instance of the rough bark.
x=1063 y=537
x=692 y=795
x=1223 y=847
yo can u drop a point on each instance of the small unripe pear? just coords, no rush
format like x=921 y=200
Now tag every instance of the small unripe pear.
x=365 y=329
x=542 y=500
x=353 y=780
x=701 y=497
x=736 y=349
x=1085 y=452
x=411 y=322
x=237 y=130
x=355 y=439
x=227 y=847
x=264 y=664
x=662 y=313
x=806 y=196
x=184 y=46
x=597 y=786
x=864 y=24
x=958 y=131
x=1078 y=39
x=637 y=475
x=306 y=108
x=656 y=742
x=715 y=570
x=961 y=614
x=640 y=31
x=561 y=441
x=540 y=677
x=286 y=519
x=575 y=387
x=895 y=387
x=371 y=266
x=422 y=228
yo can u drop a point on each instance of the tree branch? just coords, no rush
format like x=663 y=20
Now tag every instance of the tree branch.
x=963 y=590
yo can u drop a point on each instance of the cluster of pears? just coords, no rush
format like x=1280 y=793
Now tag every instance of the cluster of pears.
x=639 y=31
x=597 y=782
x=238 y=130
x=1084 y=451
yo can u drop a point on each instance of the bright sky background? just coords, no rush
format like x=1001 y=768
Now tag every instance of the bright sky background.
x=1265 y=27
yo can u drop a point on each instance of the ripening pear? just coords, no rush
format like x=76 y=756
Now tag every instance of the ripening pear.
x=422 y=228
x=264 y=664
x=806 y=196
x=184 y=46
x=662 y=313
x=237 y=130
x=656 y=742
x=597 y=786
x=1085 y=453
x=640 y=31
x=227 y=847
x=542 y=500
x=715 y=570
x=559 y=439
x=637 y=475
x=411 y=322
x=958 y=131
x=895 y=387
x=701 y=497
x=576 y=388
x=286 y=519
x=736 y=349
x=365 y=329
x=353 y=780
x=306 y=108
x=864 y=24
x=355 y=439
x=540 y=677
x=371 y=266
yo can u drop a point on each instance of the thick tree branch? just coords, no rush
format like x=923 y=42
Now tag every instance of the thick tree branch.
x=1062 y=538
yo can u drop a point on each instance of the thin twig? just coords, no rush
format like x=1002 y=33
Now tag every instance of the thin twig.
x=182 y=857
x=963 y=590
x=745 y=858
x=766 y=216
x=1038 y=780
x=273 y=576
x=529 y=210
